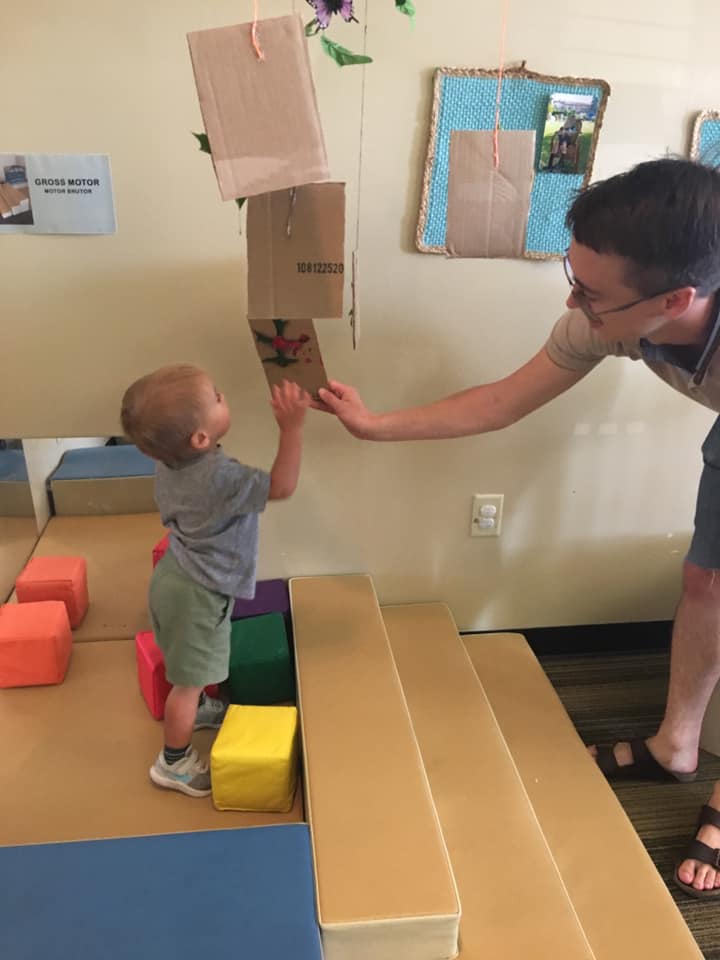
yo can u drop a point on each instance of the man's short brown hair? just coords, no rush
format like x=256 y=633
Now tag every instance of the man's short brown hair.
x=161 y=411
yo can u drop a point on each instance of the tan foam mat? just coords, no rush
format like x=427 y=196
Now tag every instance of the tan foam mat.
x=385 y=886
x=103 y=496
x=76 y=759
x=118 y=551
x=490 y=828
x=17 y=539
x=620 y=899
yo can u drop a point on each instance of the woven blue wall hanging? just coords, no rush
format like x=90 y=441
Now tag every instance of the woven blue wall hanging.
x=705 y=145
x=465 y=99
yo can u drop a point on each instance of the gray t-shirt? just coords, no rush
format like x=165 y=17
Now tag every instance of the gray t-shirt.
x=211 y=508
x=574 y=345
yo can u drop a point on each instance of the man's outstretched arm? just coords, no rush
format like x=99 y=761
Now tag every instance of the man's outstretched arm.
x=481 y=409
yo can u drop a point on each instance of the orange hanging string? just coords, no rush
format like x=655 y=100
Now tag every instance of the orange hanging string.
x=254 y=34
x=501 y=68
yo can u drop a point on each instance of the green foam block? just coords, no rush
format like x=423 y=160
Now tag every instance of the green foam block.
x=260 y=668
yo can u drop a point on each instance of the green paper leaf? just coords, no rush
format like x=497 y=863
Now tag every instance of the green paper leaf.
x=406 y=7
x=312 y=27
x=202 y=139
x=341 y=55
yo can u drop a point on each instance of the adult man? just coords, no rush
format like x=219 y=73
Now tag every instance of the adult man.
x=644 y=273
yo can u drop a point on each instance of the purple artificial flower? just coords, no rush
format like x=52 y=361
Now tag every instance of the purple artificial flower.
x=326 y=9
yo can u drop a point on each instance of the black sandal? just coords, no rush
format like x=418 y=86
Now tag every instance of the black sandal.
x=643 y=767
x=697 y=850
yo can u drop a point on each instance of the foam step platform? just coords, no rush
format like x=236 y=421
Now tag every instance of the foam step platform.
x=230 y=893
x=385 y=887
x=73 y=749
x=116 y=550
x=260 y=667
x=254 y=758
x=35 y=643
x=103 y=480
x=154 y=685
x=492 y=834
x=56 y=578
x=271 y=596
x=621 y=902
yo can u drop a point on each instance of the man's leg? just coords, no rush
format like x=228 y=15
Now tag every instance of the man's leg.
x=695 y=656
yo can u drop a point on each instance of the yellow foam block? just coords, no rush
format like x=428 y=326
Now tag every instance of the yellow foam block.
x=253 y=762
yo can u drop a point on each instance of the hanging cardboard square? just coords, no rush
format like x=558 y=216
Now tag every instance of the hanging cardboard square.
x=289 y=350
x=260 y=116
x=296 y=252
x=488 y=208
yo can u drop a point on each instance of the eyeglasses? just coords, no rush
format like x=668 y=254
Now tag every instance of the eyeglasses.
x=581 y=297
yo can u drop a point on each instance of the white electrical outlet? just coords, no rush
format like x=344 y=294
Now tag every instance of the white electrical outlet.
x=486 y=517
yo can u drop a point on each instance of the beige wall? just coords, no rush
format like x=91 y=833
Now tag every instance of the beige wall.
x=599 y=487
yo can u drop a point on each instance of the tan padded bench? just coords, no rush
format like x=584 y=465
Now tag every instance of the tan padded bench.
x=514 y=900
x=620 y=899
x=118 y=551
x=76 y=758
x=385 y=887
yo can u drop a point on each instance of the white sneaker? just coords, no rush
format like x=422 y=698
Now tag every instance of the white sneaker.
x=189 y=775
x=211 y=714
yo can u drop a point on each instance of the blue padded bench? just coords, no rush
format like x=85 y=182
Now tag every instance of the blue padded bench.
x=102 y=480
x=220 y=893
x=15 y=496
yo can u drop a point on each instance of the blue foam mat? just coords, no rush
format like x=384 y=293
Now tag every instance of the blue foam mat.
x=94 y=463
x=13 y=466
x=223 y=893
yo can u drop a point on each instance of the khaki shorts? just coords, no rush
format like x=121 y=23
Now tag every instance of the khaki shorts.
x=191 y=626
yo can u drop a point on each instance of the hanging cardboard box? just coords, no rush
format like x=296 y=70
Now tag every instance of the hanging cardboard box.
x=260 y=116
x=488 y=208
x=296 y=243
x=289 y=350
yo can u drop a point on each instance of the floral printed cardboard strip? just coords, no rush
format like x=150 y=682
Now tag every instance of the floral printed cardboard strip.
x=289 y=350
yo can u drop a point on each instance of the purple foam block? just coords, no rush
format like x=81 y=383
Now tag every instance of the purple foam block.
x=271 y=596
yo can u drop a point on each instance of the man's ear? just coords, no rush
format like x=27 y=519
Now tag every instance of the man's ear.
x=677 y=302
x=200 y=440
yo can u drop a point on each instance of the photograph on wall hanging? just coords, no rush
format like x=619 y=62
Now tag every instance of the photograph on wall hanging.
x=499 y=171
x=568 y=133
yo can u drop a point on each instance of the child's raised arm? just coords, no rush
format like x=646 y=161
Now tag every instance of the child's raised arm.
x=289 y=404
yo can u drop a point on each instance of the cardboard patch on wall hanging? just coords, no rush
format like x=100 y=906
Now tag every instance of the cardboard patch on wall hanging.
x=488 y=206
x=296 y=258
x=260 y=116
x=289 y=350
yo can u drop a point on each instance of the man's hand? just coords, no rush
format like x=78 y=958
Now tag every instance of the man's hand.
x=289 y=404
x=345 y=403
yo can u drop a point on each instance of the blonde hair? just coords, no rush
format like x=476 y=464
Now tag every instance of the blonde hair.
x=161 y=411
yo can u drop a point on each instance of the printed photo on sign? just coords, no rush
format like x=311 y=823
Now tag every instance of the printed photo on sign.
x=568 y=133
x=15 y=206
x=56 y=193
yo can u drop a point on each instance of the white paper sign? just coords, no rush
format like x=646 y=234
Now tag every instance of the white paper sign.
x=56 y=193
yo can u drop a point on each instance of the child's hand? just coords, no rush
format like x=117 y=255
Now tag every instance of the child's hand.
x=289 y=404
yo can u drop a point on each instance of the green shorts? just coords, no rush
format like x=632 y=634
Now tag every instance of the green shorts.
x=191 y=626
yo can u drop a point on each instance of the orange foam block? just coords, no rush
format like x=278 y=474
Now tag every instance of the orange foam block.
x=154 y=685
x=56 y=578
x=160 y=549
x=35 y=643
